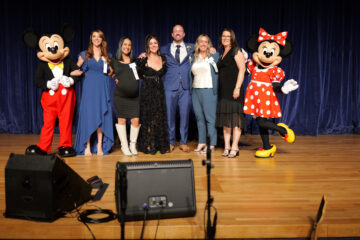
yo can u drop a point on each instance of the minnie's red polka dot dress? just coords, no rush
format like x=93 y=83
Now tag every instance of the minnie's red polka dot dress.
x=260 y=98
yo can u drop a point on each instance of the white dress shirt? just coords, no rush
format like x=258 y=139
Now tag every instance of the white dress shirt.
x=202 y=73
x=183 y=51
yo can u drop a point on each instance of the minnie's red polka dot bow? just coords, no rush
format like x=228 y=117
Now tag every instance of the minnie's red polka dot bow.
x=280 y=38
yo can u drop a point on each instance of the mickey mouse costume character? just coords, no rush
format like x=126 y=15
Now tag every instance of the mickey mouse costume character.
x=261 y=100
x=58 y=96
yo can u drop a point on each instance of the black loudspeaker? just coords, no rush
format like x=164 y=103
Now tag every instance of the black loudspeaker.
x=162 y=189
x=42 y=188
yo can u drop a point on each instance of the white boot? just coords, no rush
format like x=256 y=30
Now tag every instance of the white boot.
x=121 y=129
x=134 y=133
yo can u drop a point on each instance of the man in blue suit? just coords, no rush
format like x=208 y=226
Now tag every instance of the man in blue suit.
x=177 y=85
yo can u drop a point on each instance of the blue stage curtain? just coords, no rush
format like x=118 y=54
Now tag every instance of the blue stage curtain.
x=325 y=60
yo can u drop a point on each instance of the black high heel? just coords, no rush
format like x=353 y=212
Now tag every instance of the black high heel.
x=231 y=155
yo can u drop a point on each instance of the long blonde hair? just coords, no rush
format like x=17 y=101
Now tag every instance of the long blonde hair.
x=104 y=49
x=197 y=50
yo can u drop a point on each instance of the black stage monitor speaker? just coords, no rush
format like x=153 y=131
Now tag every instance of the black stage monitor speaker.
x=42 y=188
x=164 y=189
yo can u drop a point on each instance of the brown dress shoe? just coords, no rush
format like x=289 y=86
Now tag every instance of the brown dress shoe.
x=184 y=147
x=171 y=148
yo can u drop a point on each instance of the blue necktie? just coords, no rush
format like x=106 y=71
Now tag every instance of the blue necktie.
x=177 y=53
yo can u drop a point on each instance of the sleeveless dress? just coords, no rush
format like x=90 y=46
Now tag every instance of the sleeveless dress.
x=261 y=100
x=95 y=108
x=154 y=133
x=229 y=112
x=126 y=92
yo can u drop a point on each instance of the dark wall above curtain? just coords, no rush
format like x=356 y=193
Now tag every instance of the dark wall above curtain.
x=325 y=60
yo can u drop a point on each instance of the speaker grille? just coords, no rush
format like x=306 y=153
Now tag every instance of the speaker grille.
x=159 y=164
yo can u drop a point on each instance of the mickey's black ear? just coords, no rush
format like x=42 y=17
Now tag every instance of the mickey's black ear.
x=252 y=43
x=67 y=32
x=287 y=49
x=30 y=38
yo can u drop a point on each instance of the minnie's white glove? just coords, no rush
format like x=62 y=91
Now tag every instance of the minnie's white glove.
x=53 y=84
x=66 y=81
x=289 y=86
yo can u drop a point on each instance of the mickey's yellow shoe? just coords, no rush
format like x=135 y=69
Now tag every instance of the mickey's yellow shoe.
x=261 y=153
x=290 y=135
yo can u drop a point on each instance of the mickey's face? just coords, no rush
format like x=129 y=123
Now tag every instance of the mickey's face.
x=52 y=49
x=267 y=54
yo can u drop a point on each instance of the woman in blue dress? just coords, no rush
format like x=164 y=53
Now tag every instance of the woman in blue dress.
x=95 y=125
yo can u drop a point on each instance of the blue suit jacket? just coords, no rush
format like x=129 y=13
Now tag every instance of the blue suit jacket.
x=214 y=75
x=177 y=71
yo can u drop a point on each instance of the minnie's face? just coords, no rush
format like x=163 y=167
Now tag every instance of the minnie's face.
x=52 y=49
x=267 y=54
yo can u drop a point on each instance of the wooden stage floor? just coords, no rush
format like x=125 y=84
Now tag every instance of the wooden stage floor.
x=255 y=198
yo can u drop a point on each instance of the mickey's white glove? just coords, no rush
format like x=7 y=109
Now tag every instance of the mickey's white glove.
x=245 y=54
x=66 y=81
x=289 y=86
x=53 y=84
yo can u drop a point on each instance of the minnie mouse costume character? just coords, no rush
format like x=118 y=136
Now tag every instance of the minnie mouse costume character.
x=261 y=100
x=58 y=96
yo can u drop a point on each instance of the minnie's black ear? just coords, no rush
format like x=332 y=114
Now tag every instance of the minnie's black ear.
x=30 y=38
x=287 y=49
x=252 y=43
x=67 y=32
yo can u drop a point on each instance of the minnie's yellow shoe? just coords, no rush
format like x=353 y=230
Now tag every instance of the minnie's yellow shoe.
x=261 y=153
x=290 y=135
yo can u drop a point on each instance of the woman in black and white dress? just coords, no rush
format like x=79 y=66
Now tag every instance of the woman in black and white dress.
x=126 y=95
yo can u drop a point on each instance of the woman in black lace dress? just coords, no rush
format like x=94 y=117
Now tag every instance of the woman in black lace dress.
x=153 y=135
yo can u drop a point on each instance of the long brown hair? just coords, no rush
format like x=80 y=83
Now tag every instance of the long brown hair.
x=103 y=47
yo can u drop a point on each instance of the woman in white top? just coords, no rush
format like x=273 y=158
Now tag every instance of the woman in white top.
x=204 y=88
